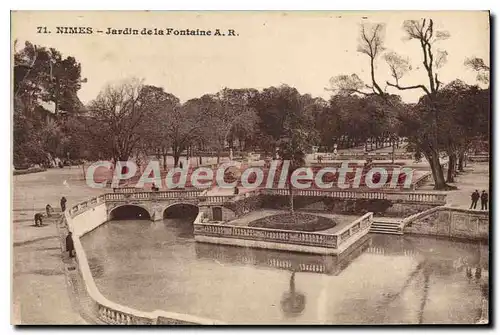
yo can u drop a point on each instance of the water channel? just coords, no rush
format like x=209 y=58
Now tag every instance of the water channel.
x=383 y=279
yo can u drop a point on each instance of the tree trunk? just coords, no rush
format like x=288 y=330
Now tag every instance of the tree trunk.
x=461 y=157
x=393 y=151
x=164 y=161
x=189 y=152
x=437 y=171
x=452 y=161
x=218 y=157
x=176 y=158
x=290 y=189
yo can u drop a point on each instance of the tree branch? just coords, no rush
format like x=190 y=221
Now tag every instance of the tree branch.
x=403 y=88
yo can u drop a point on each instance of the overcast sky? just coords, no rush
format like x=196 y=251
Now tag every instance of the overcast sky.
x=301 y=49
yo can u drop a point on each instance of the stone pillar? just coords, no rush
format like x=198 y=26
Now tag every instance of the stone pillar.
x=156 y=212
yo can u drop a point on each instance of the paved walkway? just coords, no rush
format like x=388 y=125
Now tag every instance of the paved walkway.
x=475 y=177
x=40 y=287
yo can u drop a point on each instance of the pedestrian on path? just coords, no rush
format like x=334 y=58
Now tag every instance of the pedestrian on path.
x=474 y=198
x=63 y=204
x=49 y=210
x=484 y=200
x=70 y=247
x=38 y=219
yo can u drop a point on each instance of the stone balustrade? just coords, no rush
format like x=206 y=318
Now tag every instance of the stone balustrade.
x=265 y=234
x=419 y=197
x=360 y=155
x=337 y=241
x=216 y=198
x=352 y=230
x=401 y=196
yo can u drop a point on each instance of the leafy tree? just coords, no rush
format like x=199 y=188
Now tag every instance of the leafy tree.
x=162 y=107
x=478 y=65
x=118 y=118
x=283 y=118
x=42 y=75
x=465 y=113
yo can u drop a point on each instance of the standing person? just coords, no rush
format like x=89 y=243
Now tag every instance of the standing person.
x=474 y=198
x=484 y=200
x=49 y=210
x=70 y=247
x=63 y=204
x=38 y=219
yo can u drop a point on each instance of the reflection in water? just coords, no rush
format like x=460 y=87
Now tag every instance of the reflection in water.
x=293 y=302
x=292 y=261
x=382 y=279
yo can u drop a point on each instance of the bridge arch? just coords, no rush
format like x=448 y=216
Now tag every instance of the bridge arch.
x=129 y=212
x=178 y=210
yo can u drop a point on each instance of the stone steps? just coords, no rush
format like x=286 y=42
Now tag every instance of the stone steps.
x=386 y=226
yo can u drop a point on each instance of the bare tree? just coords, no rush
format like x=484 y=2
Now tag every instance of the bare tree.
x=370 y=43
x=424 y=33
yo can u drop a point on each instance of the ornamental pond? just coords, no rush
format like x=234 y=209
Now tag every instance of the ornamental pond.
x=382 y=279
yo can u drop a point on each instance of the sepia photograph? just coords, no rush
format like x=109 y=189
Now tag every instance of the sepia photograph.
x=222 y=168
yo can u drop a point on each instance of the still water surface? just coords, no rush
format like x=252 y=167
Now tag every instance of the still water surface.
x=383 y=279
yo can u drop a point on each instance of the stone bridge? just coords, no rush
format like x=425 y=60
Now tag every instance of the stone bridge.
x=153 y=205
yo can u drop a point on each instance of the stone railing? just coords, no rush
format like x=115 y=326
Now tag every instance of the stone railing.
x=266 y=234
x=362 y=155
x=153 y=195
x=349 y=234
x=106 y=310
x=385 y=194
x=337 y=240
x=85 y=205
x=421 y=180
x=413 y=197
x=479 y=158
x=216 y=198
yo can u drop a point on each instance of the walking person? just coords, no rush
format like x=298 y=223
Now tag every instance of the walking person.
x=63 y=204
x=474 y=198
x=484 y=200
x=70 y=247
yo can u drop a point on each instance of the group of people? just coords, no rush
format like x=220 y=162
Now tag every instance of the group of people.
x=48 y=212
x=70 y=247
x=475 y=196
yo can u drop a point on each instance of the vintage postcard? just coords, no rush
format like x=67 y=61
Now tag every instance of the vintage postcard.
x=250 y=168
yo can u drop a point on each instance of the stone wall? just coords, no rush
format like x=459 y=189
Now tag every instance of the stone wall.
x=244 y=205
x=88 y=220
x=450 y=222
